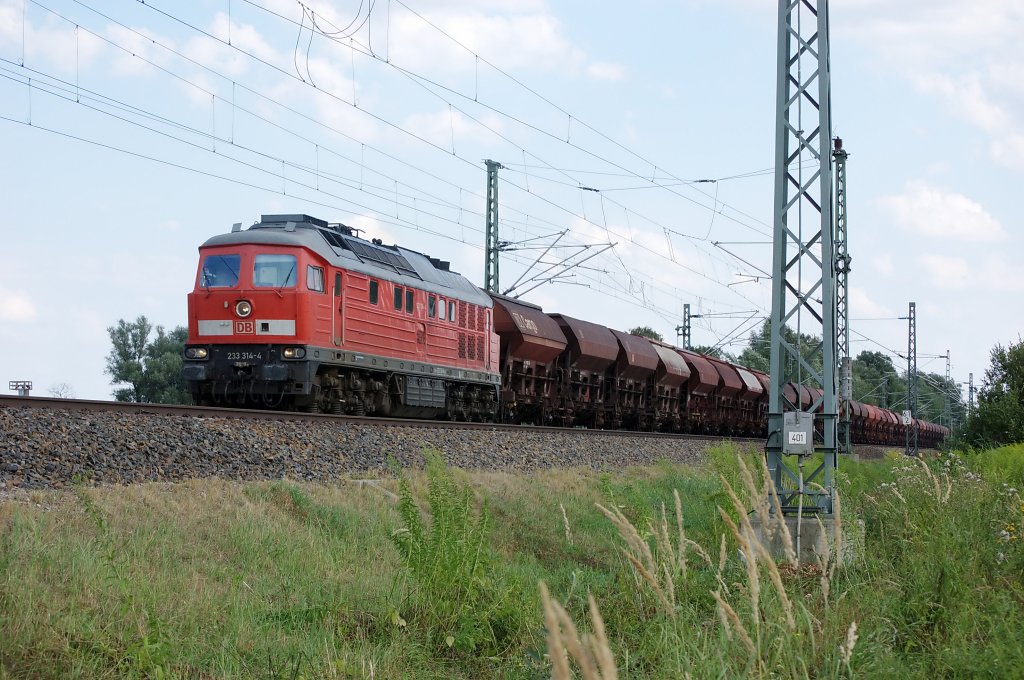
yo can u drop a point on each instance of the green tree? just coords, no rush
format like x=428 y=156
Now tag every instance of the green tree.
x=149 y=371
x=647 y=332
x=999 y=416
x=876 y=381
x=757 y=354
x=716 y=352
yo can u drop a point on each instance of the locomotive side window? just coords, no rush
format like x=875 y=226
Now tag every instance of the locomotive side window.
x=451 y=310
x=337 y=284
x=441 y=309
x=220 y=271
x=398 y=298
x=408 y=301
x=431 y=306
x=274 y=271
x=315 y=278
x=374 y=292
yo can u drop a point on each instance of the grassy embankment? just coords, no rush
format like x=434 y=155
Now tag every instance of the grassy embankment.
x=218 y=579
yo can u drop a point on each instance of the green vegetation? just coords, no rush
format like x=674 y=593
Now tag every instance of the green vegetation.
x=876 y=379
x=150 y=369
x=436 y=576
x=647 y=332
x=999 y=418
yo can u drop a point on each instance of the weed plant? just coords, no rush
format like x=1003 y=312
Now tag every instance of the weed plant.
x=460 y=599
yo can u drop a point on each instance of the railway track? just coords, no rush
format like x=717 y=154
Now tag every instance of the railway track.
x=79 y=405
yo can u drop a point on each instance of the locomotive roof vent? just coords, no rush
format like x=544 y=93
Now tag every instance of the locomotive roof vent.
x=298 y=219
x=443 y=265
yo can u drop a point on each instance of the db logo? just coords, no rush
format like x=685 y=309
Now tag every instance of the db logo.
x=245 y=327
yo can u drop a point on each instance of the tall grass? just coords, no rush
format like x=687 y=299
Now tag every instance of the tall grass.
x=649 y=572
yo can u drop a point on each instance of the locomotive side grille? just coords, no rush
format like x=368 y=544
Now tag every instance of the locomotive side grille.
x=462 y=314
x=480 y=348
x=479 y=318
x=470 y=348
x=462 y=345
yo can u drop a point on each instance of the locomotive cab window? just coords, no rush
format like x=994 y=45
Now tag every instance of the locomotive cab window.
x=431 y=306
x=374 y=291
x=442 y=307
x=274 y=271
x=408 y=301
x=451 y=310
x=398 y=298
x=220 y=271
x=315 y=278
x=337 y=284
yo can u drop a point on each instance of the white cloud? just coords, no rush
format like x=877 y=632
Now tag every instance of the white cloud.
x=969 y=97
x=882 y=264
x=862 y=306
x=513 y=41
x=966 y=55
x=602 y=70
x=946 y=272
x=139 y=44
x=54 y=43
x=927 y=210
x=1008 y=150
x=16 y=306
x=446 y=127
x=1000 y=276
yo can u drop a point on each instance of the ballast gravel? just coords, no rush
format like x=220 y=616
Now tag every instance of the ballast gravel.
x=42 y=448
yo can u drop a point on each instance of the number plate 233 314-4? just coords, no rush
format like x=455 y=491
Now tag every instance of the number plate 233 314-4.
x=244 y=356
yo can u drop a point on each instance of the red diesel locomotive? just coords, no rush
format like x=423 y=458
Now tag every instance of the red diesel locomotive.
x=296 y=313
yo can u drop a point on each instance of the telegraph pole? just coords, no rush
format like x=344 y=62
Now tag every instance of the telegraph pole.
x=842 y=268
x=970 y=393
x=803 y=262
x=684 y=330
x=911 y=381
x=492 y=245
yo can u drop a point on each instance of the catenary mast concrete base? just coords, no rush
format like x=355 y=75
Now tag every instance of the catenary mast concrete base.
x=813 y=544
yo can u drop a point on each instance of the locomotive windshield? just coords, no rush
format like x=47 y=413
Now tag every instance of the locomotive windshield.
x=220 y=271
x=274 y=271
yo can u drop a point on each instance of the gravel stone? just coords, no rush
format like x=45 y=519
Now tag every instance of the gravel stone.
x=56 y=447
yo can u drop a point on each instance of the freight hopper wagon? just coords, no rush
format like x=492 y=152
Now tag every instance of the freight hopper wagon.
x=563 y=371
x=296 y=313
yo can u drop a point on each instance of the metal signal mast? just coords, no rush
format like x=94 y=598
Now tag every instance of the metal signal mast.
x=842 y=264
x=803 y=265
x=684 y=330
x=970 y=393
x=912 y=380
x=492 y=246
x=949 y=397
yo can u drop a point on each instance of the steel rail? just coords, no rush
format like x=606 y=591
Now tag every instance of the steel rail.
x=79 y=405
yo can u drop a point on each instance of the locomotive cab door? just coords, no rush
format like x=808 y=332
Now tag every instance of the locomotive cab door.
x=421 y=340
x=338 y=311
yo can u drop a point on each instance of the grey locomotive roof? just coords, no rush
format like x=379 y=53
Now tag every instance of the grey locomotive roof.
x=308 y=234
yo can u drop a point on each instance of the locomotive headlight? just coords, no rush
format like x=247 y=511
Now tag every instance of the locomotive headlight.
x=197 y=353
x=243 y=308
x=293 y=352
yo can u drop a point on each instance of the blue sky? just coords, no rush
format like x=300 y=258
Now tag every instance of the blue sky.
x=149 y=133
